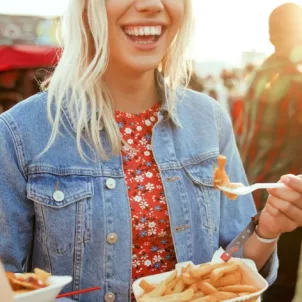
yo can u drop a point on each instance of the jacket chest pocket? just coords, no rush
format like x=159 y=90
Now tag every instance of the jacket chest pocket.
x=63 y=210
x=208 y=198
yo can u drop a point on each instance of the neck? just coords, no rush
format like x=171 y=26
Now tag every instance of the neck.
x=285 y=49
x=132 y=92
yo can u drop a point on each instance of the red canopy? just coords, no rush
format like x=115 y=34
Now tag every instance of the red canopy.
x=27 y=56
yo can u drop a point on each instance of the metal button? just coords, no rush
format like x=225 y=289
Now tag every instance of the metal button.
x=58 y=196
x=112 y=238
x=110 y=183
x=110 y=297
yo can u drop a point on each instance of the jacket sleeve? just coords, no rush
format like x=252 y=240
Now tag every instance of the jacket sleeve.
x=237 y=214
x=16 y=214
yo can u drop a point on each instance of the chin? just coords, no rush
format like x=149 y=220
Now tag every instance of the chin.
x=143 y=64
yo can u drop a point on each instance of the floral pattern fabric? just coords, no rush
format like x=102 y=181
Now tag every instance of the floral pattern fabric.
x=153 y=248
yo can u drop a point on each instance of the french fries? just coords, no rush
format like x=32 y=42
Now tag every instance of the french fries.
x=204 y=283
x=147 y=287
x=22 y=283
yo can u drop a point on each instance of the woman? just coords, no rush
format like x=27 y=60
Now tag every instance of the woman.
x=120 y=183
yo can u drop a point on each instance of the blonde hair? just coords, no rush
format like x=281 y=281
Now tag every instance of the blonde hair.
x=78 y=76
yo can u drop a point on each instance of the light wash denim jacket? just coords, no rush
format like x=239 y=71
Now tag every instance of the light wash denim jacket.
x=69 y=236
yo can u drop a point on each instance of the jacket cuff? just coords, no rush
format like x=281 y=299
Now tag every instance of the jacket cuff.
x=270 y=269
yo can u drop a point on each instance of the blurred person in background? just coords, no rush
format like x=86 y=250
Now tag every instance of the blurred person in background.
x=19 y=84
x=213 y=94
x=195 y=82
x=272 y=133
x=243 y=81
x=10 y=93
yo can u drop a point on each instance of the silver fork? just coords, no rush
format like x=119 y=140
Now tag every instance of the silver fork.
x=249 y=189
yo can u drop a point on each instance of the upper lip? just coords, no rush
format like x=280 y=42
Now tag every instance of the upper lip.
x=146 y=23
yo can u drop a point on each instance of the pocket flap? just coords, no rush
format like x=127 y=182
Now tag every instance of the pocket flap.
x=201 y=174
x=41 y=188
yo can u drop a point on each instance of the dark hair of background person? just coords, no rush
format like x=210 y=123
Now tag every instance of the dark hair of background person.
x=285 y=27
x=195 y=83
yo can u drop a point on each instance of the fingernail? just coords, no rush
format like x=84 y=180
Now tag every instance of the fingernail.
x=285 y=179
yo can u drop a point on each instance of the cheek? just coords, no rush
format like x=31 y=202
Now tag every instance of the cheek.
x=116 y=8
x=176 y=12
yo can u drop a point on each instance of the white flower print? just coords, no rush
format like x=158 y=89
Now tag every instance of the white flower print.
x=147 y=153
x=143 y=142
x=131 y=153
x=139 y=226
x=149 y=174
x=143 y=205
x=152 y=118
x=157 y=258
x=149 y=147
x=137 y=198
x=128 y=130
x=151 y=224
x=136 y=263
x=147 y=122
x=130 y=141
x=126 y=148
x=149 y=186
x=139 y=128
x=147 y=263
x=152 y=232
x=162 y=199
x=139 y=178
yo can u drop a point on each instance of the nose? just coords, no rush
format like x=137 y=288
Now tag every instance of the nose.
x=149 y=6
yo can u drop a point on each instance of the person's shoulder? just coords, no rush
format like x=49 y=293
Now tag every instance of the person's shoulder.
x=27 y=110
x=202 y=109
x=193 y=101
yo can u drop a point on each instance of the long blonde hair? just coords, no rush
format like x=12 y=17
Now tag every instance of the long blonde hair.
x=77 y=80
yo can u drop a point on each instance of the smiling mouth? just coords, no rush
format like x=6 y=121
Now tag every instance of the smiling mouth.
x=144 y=34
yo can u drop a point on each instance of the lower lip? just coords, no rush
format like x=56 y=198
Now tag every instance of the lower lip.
x=145 y=47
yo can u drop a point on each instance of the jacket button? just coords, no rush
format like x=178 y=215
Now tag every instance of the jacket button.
x=110 y=183
x=58 y=196
x=110 y=297
x=112 y=238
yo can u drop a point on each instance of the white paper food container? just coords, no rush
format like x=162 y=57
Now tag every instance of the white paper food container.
x=46 y=294
x=250 y=277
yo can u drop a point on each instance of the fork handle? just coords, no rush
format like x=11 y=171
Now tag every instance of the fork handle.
x=270 y=185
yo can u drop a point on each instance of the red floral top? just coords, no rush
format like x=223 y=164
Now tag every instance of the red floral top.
x=153 y=248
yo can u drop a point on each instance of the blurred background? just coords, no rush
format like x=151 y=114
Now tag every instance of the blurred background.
x=230 y=43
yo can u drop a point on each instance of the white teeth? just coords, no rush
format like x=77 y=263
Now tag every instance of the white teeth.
x=144 y=31
x=147 y=31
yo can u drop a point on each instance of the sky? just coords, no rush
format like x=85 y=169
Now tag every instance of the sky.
x=224 y=28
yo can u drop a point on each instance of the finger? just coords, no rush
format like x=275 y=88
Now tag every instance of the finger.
x=288 y=209
x=293 y=182
x=272 y=210
x=285 y=223
x=287 y=194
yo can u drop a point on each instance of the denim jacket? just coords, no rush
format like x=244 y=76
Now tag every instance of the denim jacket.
x=85 y=231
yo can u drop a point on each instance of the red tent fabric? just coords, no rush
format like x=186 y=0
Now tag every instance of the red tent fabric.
x=27 y=56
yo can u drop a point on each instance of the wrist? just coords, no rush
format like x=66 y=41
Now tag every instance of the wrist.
x=265 y=234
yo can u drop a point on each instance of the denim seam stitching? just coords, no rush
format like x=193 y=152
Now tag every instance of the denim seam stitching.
x=19 y=153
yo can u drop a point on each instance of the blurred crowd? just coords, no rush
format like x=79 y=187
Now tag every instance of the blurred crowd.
x=228 y=88
x=17 y=85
